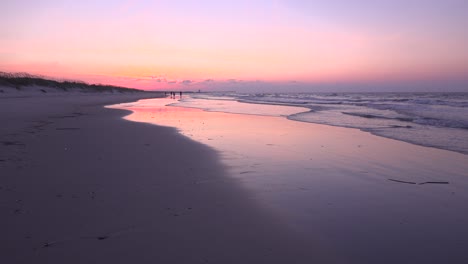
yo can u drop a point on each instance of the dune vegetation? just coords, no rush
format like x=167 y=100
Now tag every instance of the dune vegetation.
x=20 y=80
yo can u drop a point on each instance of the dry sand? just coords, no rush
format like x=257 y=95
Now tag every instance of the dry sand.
x=80 y=185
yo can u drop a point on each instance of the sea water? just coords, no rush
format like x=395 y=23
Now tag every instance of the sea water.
x=364 y=198
x=438 y=120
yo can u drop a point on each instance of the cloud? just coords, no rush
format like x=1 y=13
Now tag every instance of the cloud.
x=158 y=79
x=187 y=82
x=233 y=81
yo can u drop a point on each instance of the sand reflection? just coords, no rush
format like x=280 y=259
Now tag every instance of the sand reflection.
x=333 y=182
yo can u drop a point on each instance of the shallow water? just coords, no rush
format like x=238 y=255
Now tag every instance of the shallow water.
x=331 y=183
x=437 y=120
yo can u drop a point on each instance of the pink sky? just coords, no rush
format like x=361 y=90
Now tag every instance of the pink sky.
x=161 y=44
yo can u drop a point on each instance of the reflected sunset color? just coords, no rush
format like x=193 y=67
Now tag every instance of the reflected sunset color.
x=247 y=131
x=325 y=181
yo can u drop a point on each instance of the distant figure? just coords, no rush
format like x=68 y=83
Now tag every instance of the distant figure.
x=180 y=95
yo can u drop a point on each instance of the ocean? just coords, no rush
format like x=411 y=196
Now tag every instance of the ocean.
x=438 y=120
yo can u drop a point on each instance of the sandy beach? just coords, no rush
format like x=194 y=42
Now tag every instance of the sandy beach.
x=143 y=182
x=361 y=197
x=81 y=185
x=234 y=132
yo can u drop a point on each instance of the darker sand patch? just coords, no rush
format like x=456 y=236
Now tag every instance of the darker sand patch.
x=67 y=128
x=12 y=143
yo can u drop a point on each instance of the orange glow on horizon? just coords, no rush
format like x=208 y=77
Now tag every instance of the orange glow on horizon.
x=110 y=43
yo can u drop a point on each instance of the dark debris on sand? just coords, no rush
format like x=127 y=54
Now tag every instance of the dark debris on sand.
x=421 y=183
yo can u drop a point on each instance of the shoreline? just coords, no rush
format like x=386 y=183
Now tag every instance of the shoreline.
x=81 y=185
x=403 y=128
x=366 y=196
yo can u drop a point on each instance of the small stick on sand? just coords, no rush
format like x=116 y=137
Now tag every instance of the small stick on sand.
x=434 y=182
x=428 y=182
x=408 y=182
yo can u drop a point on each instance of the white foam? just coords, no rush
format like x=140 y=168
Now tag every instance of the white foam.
x=431 y=119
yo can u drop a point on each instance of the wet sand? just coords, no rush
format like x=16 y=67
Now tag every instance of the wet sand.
x=365 y=198
x=81 y=185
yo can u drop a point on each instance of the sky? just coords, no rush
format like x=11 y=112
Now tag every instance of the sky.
x=276 y=45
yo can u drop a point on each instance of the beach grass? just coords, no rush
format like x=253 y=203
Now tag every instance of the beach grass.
x=21 y=80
